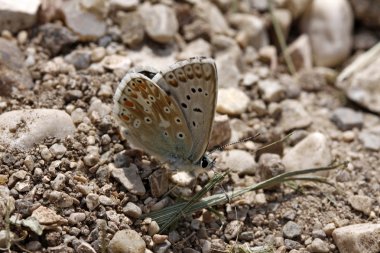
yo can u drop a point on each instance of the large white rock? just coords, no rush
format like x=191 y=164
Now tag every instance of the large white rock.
x=329 y=26
x=22 y=129
x=361 y=80
x=359 y=238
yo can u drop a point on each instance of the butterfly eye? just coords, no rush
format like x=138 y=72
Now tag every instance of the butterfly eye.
x=204 y=162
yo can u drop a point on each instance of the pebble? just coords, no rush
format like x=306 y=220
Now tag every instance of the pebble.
x=153 y=228
x=56 y=38
x=370 y=140
x=232 y=101
x=162 y=247
x=239 y=161
x=271 y=90
x=125 y=5
x=15 y=15
x=132 y=210
x=198 y=47
x=357 y=238
x=250 y=79
x=292 y=245
x=42 y=123
x=13 y=72
x=157 y=238
x=126 y=241
x=46 y=216
x=347 y=119
x=80 y=59
x=46 y=154
x=91 y=159
x=160 y=21
x=131 y=28
x=92 y=201
x=183 y=178
x=116 y=62
x=313 y=151
x=221 y=131
x=97 y=54
x=233 y=229
x=294 y=116
x=87 y=25
x=361 y=203
x=85 y=247
x=58 y=150
x=318 y=246
x=106 y=201
x=300 y=53
x=129 y=178
x=228 y=72
x=330 y=33
x=59 y=182
x=76 y=218
x=270 y=165
x=159 y=183
x=213 y=17
x=78 y=115
x=251 y=29
x=291 y=230
x=102 y=109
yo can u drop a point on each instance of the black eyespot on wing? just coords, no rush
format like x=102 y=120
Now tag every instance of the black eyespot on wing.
x=184 y=105
x=197 y=110
x=188 y=97
x=193 y=90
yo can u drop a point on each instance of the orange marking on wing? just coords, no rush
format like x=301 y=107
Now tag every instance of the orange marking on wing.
x=128 y=104
x=125 y=117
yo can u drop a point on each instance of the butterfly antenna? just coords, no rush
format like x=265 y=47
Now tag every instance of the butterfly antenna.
x=233 y=143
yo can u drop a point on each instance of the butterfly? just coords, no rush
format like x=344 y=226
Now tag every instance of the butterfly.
x=169 y=114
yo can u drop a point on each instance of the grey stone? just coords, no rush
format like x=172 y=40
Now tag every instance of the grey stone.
x=129 y=178
x=361 y=203
x=18 y=15
x=347 y=119
x=56 y=37
x=294 y=115
x=370 y=140
x=291 y=230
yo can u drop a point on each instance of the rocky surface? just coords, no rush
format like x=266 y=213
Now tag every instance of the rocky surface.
x=70 y=181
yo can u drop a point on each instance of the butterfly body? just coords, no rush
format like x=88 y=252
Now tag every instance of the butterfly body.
x=169 y=114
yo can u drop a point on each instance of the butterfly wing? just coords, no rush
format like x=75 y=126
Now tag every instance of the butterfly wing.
x=193 y=85
x=153 y=120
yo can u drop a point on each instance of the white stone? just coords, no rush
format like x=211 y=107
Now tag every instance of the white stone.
x=126 y=241
x=360 y=80
x=329 y=26
x=300 y=53
x=198 y=47
x=239 y=161
x=294 y=115
x=359 y=238
x=313 y=151
x=251 y=28
x=22 y=129
x=161 y=23
x=232 y=101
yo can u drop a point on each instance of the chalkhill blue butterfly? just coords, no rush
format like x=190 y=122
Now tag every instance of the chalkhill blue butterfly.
x=169 y=114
